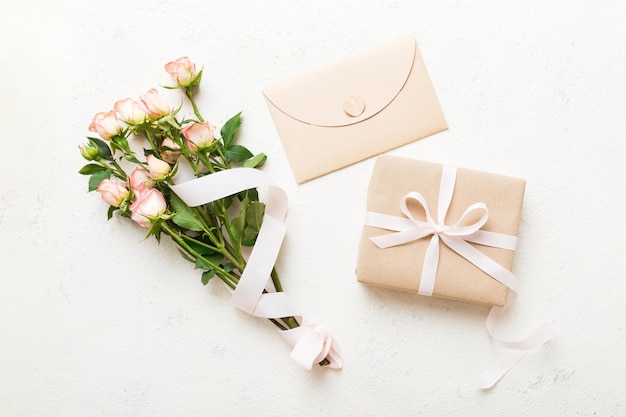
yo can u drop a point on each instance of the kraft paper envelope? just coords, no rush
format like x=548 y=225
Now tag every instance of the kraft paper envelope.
x=400 y=267
x=365 y=105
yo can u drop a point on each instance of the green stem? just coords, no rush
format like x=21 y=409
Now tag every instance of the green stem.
x=278 y=324
x=276 y=281
x=219 y=242
x=229 y=230
x=291 y=322
x=176 y=138
x=151 y=141
x=225 y=160
x=177 y=237
x=120 y=170
x=232 y=281
x=202 y=158
x=198 y=242
x=130 y=155
x=116 y=169
x=192 y=164
x=193 y=104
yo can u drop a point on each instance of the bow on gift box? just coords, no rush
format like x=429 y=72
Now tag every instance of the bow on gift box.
x=311 y=342
x=456 y=237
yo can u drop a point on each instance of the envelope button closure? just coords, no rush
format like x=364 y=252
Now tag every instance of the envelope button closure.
x=354 y=106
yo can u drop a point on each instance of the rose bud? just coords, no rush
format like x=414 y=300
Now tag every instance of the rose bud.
x=183 y=72
x=106 y=125
x=112 y=192
x=154 y=105
x=89 y=151
x=129 y=111
x=149 y=207
x=169 y=150
x=198 y=135
x=158 y=169
x=140 y=181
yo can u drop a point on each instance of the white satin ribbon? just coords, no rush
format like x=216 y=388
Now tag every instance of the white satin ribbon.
x=456 y=237
x=311 y=342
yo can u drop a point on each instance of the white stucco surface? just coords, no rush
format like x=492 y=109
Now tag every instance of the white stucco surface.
x=95 y=321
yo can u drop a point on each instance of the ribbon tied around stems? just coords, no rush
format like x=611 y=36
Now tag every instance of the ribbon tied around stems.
x=457 y=238
x=311 y=343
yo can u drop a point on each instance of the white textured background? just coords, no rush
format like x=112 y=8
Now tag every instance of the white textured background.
x=96 y=322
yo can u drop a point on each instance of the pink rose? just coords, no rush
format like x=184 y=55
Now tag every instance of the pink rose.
x=158 y=169
x=169 y=150
x=198 y=135
x=112 y=192
x=154 y=105
x=183 y=72
x=140 y=181
x=129 y=111
x=149 y=206
x=106 y=125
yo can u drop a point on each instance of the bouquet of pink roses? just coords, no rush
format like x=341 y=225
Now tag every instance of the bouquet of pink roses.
x=201 y=190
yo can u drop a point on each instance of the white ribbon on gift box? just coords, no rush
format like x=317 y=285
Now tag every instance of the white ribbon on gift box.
x=311 y=343
x=456 y=237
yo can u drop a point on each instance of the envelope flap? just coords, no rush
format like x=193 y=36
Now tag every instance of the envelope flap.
x=349 y=91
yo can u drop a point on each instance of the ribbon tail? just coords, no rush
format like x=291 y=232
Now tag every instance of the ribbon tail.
x=514 y=353
x=538 y=336
x=515 y=349
x=481 y=261
x=429 y=270
x=492 y=375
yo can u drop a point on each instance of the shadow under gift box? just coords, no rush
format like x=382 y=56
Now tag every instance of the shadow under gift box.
x=365 y=105
x=399 y=267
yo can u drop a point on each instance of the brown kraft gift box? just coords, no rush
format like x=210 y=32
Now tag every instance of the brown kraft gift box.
x=400 y=267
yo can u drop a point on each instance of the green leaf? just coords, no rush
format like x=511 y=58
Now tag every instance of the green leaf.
x=227 y=201
x=155 y=229
x=168 y=122
x=207 y=275
x=238 y=153
x=91 y=169
x=254 y=220
x=197 y=78
x=207 y=261
x=229 y=129
x=238 y=223
x=152 y=152
x=197 y=246
x=184 y=217
x=97 y=178
x=251 y=194
x=103 y=148
x=256 y=162
x=246 y=225
x=111 y=211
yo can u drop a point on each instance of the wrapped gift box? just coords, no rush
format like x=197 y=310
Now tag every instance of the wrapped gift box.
x=399 y=267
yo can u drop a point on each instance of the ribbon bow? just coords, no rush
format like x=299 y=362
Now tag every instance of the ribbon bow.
x=457 y=238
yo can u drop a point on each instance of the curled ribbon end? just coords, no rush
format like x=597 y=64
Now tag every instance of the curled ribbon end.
x=333 y=359
x=312 y=345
